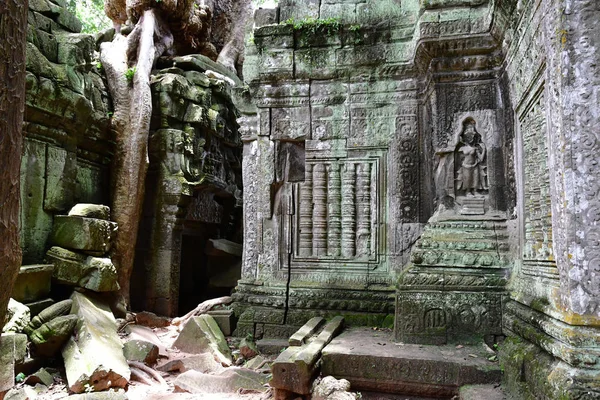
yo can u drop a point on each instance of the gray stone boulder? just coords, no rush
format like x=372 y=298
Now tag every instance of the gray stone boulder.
x=41 y=376
x=48 y=314
x=97 y=211
x=201 y=334
x=49 y=338
x=330 y=388
x=18 y=317
x=140 y=350
x=205 y=363
x=94 y=356
x=33 y=283
x=231 y=380
x=90 y=235
x=93 y=273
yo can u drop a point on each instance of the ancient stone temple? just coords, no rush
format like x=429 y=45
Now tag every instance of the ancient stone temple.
x=431 y=160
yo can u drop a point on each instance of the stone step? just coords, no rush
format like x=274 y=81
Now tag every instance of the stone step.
x=372 y=361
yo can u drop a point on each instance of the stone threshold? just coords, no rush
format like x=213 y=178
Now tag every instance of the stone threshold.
x=372 y=361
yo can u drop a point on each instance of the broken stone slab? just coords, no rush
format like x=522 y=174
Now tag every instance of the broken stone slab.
x=18 y=317
x=307 y=330
x=49 y=338
x=95 y=360
x=225 y=319
x=295 y=369
x=12 y=351
x=90 y=235
x=258 y=362
x=151 y=320
x=229 y=381
x=140 y=350
x=93 y=273
x=33 y=283
x=201 y=334
x=329 y=388
x=205 y=363
x=48 y=314
x=97 y=211
x=42 y=376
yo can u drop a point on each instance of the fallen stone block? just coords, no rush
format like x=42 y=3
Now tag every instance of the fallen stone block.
x=225 y=320
x=151 y=320
x=42 y=376
x=137 y=332
x=25 y=392
x=93 y=273
x=202 y=363
x=258 y=362
x=140 y=350
x=12 y=351
x=229 y=381
x=307 y=330
x=18 y=317
x=48 y=314
x=95 y=359
x=33 y=283
x=295 y=369
x=49 y=338
x=201 y=334
x=90 y=235
x=97 y=211
x=38 y=306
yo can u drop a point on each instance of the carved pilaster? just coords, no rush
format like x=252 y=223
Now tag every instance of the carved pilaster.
x=306 y=194
x=363 y=208
x=319 y=210
x=348 y=211
x=334 y=207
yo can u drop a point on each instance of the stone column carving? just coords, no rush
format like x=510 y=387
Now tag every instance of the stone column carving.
x=348 y=211
x=334 y=207
x=305 y=222
x=319 y=210
x=363 y=209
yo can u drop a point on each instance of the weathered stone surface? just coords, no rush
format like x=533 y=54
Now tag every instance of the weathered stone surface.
x=225 y=319
x=428 y=371
x=201 y=334
x=33 y=283
x=329 y=388
x=49 y=338
x=143 y=333
x=488 y=392
x=94 y=273
x=307 y=330
x=89 y=235
x=13 y=348
x=229 y=381
x=96 y=333
x=140 y=350
x=97 y=211
x=108 y=395
x=25 y=392
x=48 y=314
x=38 y=306
x=151 y=320
x=258 y=362
x=18 y=317
x=204 y=363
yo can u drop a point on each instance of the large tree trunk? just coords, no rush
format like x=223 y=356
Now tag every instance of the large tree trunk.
x=13 y=29
x=131 y=126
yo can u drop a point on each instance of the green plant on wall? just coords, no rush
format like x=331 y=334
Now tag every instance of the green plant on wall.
x=315 y=26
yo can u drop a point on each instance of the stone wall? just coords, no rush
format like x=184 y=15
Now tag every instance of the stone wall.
x=353 y=100
x=67 y=149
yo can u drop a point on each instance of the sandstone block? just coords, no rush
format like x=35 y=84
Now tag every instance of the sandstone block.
x=229 y=381
x=49 y=338
x=11 y=352
x=90 y=235
x=48 y=314
x=38 y=306
x=140 y=350
x=18 y=317
x=202 y=363
x=201 y=334
x=96 y=357
x=97 y=211
x=225 y=320
x=94 y=273
x=33 y=283
x=137 y=332
x=42 y=376
x=248 y=349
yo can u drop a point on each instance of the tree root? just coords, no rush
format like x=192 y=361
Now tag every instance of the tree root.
x=201 y=309
x=141 y=367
